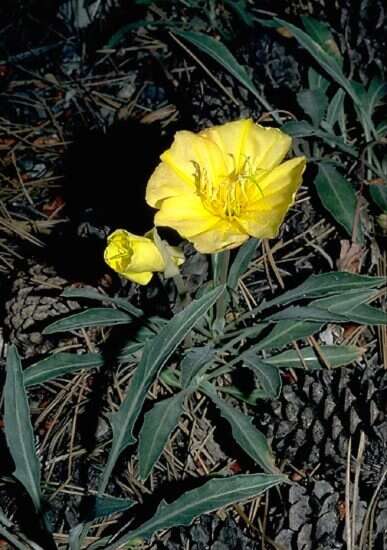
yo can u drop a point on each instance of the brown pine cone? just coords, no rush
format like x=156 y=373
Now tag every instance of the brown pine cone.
x=35 y=301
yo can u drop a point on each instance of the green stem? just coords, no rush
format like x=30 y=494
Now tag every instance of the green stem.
x=220 y=264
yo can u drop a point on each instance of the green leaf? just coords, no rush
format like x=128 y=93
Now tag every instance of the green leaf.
x=368 y=315
x=317 y=81
x=195 y=361
x=337 y=195
x=304 y=129
x=326 y=284
x=268 y=376
x=222 y=55
x=101 y=507
x=345 y=302
x=93 y=317
x=284 y=333
x=250 y=440
x=314 y=103
x=377 y=90
x=60 y=364
x=156 y=353
x=321 y=34
x=307 y=313
x=378 y=193
x=158 y=425
x=92 y=294
x=241 y=262
x=335 y=108
x=326 y=60
x=251 y=398
x=336 y=356
x=299 y=128
x=18 y=429
x=211 y=496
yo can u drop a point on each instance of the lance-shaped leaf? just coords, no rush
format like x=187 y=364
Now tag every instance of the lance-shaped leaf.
x=308 y=313
x=326 y=284
x=101 y=507
x=314 y=103
x=337 y=195
x=367 y=315
x=195 y=361
x=241 y=262
x=286 y=332
x=335 y=356
x=326 y=60
x=159 y=423
x=268 y=376
x=60 y=364
x=224 y=57
x=93 y=317
x=156 y=353
x=214 y=494
x=251 y=440
x=92 y=294
x=18 y=429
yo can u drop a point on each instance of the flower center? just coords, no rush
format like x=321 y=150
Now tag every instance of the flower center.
x=230 y=195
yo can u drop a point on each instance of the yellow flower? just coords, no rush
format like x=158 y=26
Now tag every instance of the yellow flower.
x=137 y=258
x=224 y=184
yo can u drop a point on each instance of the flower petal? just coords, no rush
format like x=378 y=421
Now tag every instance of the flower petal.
x=165 y=183
x=287 y=174
x=265 y=147
x=223 y=236
x=189 y=149
x=186 y=214
x=133 y=256
x=231 y=138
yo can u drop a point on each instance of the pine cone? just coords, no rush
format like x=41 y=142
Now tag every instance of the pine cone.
x=209 y=532
x=310 y=426
x=35 y=301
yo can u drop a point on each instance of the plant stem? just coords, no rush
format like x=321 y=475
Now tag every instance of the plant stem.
x=220 y=264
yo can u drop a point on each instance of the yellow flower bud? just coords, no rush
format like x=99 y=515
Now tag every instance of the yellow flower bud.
x=136 y=257
x=224 y=184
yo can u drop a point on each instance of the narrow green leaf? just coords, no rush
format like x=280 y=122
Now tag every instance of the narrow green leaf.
x=322 y=35
x=327 y=61
x=377 y=90
x=336 y=356
x=299 y=128
x=156 y=353
x=303 y=128
x=250 y=440
x=268 y=376
x=224 y=57
x=326 y=284
x=18 y=429
x=60 y=364
x=314 y=103
x=367 y=315
x=335 y=108
x=194 y=362
x=346 y=301
x=158 y=425
x=101 y=507
x=378 y=194
x=251 y=398
x=211 y=496
x=286 y=332
x=337 y=195
x=317 y=81
x=92 y=294
x=93 y=317
x=241 y=262
x=307 y=313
